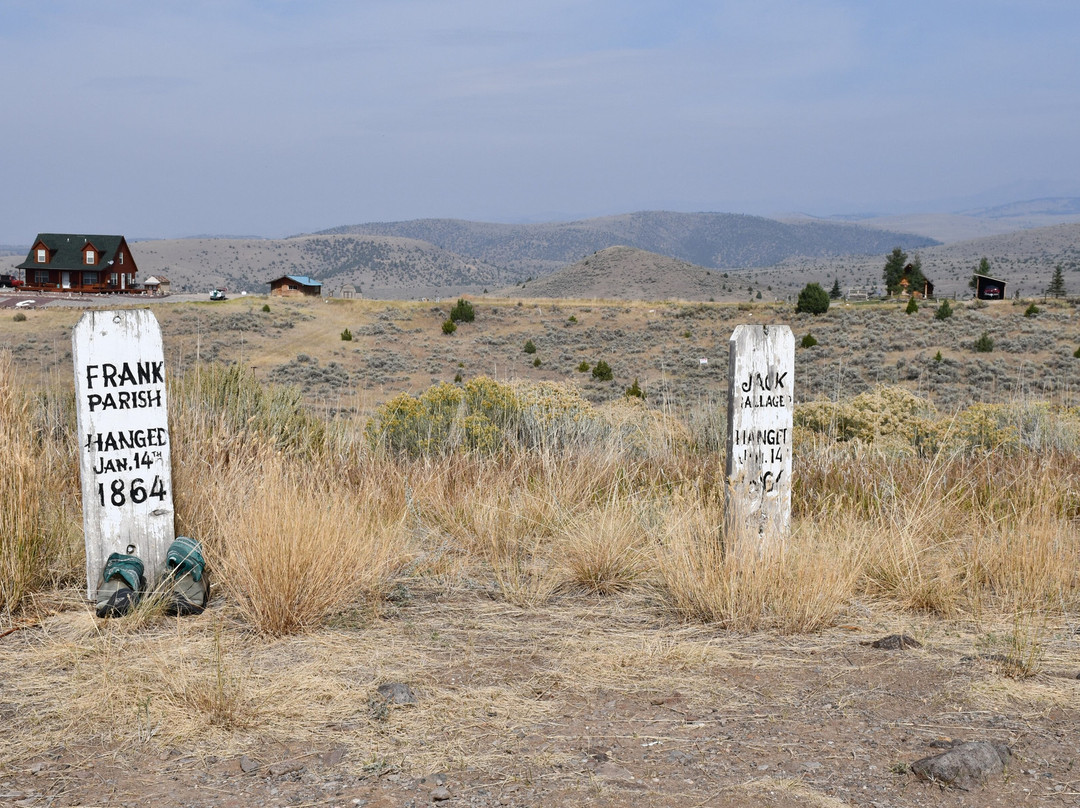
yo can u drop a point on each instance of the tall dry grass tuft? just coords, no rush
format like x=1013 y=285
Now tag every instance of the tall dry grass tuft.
x=38 y=493
x=802 y=586
x=605 y=550
x=291 y=547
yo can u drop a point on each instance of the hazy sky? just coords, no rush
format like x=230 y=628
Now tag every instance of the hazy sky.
x=273 y=117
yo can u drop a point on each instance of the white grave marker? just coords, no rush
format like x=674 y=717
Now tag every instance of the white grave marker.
x=123 y=440
x=761 y=369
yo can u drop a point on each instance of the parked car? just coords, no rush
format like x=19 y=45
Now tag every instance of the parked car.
x=10 y=282
x=217 y=294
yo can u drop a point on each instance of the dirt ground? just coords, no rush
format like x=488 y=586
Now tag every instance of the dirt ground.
x=584 y=701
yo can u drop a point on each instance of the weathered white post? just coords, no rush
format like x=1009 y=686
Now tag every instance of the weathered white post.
x=123 y=440
x=761 y=370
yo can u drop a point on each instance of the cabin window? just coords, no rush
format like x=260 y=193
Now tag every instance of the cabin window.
x=41 y=277
x=89 y=278
x=91 y=258
x=42 y=255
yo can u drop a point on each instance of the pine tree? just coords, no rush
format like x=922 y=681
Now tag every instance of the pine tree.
x=1057 y=283
x=835 y=292
x=984 y=269
x=812 y=299
x=894 y=270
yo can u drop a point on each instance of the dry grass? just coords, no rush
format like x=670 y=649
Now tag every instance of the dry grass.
x=36 y=485
x=504 y=586
x=292 y=550
x=801 y=587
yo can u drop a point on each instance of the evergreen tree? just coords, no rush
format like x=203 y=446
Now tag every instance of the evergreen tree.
x=462 y=312
x=916 y=279
x=1057 y=283
x=813 y=299
x=984 y=269
x=894 y=270
x=835 y=292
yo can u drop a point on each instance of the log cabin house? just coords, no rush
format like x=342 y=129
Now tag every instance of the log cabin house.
x=295 y=286
x=66 y=262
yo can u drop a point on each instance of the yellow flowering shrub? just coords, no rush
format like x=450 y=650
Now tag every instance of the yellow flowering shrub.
x=488 y=416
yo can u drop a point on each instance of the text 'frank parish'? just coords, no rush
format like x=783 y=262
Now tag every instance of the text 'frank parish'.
x=108 y=375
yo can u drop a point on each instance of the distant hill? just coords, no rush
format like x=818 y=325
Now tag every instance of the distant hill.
x=377 y=266
x=980 y=222
x=1024 y=258
x=1067 y=206
x=714 y=240
x=471 y=257
x=627 y=273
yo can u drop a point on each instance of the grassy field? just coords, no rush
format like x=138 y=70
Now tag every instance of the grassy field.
x=538 y=559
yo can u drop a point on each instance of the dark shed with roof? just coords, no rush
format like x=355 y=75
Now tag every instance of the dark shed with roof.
x=987 y=288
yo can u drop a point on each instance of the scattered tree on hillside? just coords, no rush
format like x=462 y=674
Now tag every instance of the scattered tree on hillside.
x=984 y=344
x=1057 y=283
x=602 y=371
x=944 y=311
x=915 y=276
x=984 y=269
x=835 y=293
x=894 y=270
x=813 y=300
x=462 y=312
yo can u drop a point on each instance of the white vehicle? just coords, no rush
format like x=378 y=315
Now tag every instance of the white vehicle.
x=23 y=304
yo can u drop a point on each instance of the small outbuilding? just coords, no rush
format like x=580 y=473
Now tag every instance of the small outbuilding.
x=156 y=285
x=987 y=288
x=295 y=286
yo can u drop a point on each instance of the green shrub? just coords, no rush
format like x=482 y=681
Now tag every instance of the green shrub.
x=487 y=417
x=457 y=378
x=635 y=391
x=912 y=306
x=346 y=335
x=602 y=371
x=984 y=344
x=449 y=327
x=583 y=366
x=944 y=311
x=938 y=357
x=1076 y=353
x=808 y=341
x=266 y=307
x=572 y=319
x=462 y=312
x=536 y=362
x=19 y=317
x=812 y=300
x=529 y=347
x=1031 y=310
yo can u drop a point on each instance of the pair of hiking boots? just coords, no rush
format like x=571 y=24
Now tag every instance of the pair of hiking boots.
x=185 y=586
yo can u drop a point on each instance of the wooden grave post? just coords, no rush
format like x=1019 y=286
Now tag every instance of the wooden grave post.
x=124 y=456
x=761 y=369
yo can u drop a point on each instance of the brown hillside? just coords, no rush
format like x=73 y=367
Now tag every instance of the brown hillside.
x=626 y=273
x=377 y=266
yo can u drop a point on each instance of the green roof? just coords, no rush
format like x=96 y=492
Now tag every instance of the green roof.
x=65 y=250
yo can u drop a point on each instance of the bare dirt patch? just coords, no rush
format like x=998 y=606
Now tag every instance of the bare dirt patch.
x=587 y=701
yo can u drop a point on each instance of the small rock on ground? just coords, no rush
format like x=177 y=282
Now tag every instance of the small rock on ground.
x=966 y=765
